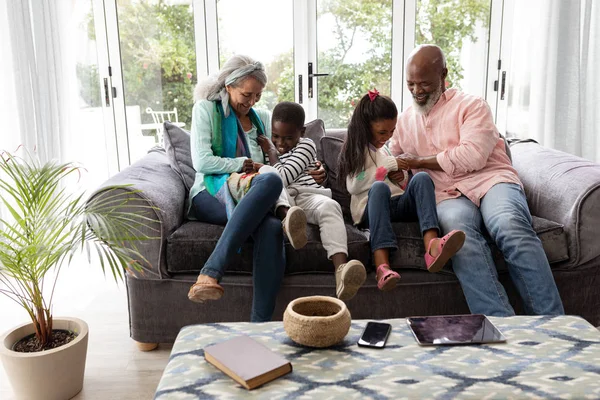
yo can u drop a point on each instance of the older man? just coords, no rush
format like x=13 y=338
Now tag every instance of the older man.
x=451 y=135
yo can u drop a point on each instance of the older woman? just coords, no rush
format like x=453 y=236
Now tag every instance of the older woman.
x=224 y=135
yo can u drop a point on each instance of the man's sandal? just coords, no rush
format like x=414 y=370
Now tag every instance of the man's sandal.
x=388 y=279
x=447 y=247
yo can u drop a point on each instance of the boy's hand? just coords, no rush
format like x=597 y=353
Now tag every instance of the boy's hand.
x=258 y=166
x=319 y=174
x=265 y=143
x=248 y=166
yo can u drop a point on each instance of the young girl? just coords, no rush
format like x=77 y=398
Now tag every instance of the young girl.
x=382 y=193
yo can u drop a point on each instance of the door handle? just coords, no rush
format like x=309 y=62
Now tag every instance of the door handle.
x=106 y=95
x=503 y=85
x=312 y=75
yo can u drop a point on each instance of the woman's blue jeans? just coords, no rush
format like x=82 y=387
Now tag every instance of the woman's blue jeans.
x=504 y=217
x=252 y=217
x=416 y=204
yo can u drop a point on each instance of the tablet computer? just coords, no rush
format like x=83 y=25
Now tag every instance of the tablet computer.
x=454 y=329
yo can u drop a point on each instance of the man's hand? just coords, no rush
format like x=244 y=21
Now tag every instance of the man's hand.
x=248 y=166
x=319 y=174
x=416 y=162
x=408 y=161
x=265 y=143
x=402 y=164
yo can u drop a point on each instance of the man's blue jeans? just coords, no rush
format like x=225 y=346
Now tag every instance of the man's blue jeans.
x=416 y=204
x=504 y=216
x=252 y=217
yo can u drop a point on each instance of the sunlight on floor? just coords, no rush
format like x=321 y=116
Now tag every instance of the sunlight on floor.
x=115 y=369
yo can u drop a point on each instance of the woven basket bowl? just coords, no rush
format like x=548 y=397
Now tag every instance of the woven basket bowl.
x=316 y=321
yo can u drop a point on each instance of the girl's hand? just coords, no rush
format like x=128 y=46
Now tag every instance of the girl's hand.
x=248 y=166
x=265 y=143
x=396 y=176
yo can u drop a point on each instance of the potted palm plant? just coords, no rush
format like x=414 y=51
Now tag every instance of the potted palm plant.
x=45 y=226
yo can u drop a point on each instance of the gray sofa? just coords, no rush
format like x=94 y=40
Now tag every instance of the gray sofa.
x=562 y=191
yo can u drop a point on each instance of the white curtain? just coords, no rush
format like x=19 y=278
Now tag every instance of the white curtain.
x=554 y=90
x=36 y=29
x=9 y=136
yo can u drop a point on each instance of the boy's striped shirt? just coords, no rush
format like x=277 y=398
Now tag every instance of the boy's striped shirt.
x=294 y=165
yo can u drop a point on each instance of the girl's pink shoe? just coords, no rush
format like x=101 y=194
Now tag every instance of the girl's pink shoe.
x=447 y=247
x=388 y=279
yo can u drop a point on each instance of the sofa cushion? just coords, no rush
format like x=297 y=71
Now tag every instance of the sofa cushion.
x=177 y=146
x=411 y=250
x=332 y=147
x=191 y=244
x=189 y=247
x=315 y=130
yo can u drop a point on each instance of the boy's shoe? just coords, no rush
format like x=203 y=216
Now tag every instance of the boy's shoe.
x=349 y=277
x=294 y=226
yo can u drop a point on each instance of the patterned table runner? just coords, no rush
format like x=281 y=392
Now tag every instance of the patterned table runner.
x=544 y=357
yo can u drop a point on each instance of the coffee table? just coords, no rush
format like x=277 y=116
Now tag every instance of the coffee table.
x=544 y=357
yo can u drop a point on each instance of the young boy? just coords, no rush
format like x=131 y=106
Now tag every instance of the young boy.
x=292 y=156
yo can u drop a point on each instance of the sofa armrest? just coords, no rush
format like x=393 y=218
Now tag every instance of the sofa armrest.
x=154 y=182
x=565 y=189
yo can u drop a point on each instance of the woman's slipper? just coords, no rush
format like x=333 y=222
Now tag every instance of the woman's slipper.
x=294 y=226
x=202 y=291
x=447 y=247
x=388 y=279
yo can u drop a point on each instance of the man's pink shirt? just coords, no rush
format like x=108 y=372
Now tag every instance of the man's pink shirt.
x=461 y=131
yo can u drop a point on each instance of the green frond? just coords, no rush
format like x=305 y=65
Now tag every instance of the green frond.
x=47 y=225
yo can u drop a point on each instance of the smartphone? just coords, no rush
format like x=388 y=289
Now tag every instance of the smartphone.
x=375 y=335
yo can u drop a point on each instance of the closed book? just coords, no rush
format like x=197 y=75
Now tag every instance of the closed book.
x=247 y=361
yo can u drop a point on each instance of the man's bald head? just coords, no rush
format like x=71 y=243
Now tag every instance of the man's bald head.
x=427 y=56
x=426 y=76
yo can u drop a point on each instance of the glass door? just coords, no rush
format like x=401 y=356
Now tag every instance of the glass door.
x=354 y=50
x=323 y=54
x=157 y=56
x=263 y=30
x=92 y=140
x=462 y=29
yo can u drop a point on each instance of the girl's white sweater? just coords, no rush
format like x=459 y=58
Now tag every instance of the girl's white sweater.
x=378 y=163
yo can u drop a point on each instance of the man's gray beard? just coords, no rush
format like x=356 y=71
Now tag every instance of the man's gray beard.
x=431 y=101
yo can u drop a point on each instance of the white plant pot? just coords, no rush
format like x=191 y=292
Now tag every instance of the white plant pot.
x=55 y=374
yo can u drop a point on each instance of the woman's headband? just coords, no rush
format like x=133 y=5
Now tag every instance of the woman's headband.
x=243 y=71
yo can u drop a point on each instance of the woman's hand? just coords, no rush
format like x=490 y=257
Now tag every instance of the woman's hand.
x=319 y=174
x=265 y=144
x=248 y=166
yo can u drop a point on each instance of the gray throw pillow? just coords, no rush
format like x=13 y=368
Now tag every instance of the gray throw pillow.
x=177 y=147
x=332 y=148
x=315 y=130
